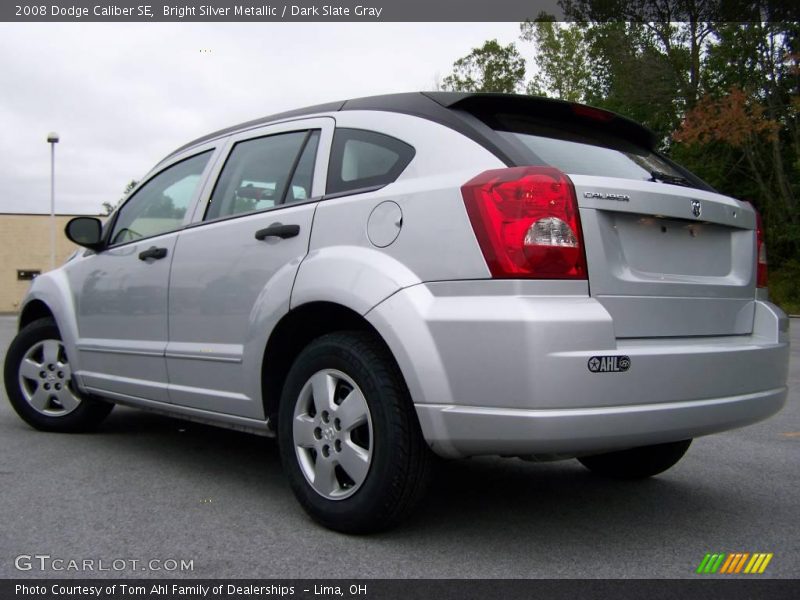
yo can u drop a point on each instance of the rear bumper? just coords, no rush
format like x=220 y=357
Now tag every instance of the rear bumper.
x=469 y=430
x=492 y=372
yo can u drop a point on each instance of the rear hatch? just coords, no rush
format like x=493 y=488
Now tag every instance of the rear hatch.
x=666 y=254
x=660 y=270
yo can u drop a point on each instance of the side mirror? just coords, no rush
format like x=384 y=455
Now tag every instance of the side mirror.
x=86 y=232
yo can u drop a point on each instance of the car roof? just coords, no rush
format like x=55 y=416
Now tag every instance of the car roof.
x=454 y=109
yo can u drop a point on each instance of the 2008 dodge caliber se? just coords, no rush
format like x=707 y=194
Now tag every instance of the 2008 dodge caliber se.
x=383 y=279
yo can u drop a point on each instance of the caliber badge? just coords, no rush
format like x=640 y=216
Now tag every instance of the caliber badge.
x=602 y=196
x=609 y=364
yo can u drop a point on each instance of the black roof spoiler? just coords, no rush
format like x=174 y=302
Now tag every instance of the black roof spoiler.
x=446 y=108
x=484 y=105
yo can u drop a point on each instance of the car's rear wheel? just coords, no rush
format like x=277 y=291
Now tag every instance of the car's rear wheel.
x=348 y=435
x=39 y=383
x=636 y=463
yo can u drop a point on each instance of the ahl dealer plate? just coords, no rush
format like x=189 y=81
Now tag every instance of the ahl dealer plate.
x=609 y=364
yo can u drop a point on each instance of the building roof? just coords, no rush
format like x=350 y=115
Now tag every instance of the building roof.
x=47 y=214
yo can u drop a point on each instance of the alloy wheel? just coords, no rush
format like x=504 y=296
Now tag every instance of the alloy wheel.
x=333 y=436
x=45 y=379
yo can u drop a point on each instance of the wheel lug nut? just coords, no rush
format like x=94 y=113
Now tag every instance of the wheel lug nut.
x=51 y=367
x=58 y=386
x=337 y=445
x=61 y=374
x=325 y=416
x=318 y=433
x=47 y=386
x=42 y=374
x=326 y=451
x=337 y=424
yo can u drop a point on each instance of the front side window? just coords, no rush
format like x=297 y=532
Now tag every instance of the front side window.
x=258 y=174
x=365 y=159
x=160 y=205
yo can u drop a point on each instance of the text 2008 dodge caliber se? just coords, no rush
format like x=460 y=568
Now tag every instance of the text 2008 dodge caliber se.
x=379 y=280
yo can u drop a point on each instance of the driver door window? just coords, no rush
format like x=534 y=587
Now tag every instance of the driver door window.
x=160 y=204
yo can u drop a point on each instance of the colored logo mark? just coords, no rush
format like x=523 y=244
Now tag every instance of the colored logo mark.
x=736 y=562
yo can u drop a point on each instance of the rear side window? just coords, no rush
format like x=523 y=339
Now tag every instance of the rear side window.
x=303 y=177
x=257 y=174
x=365 y=159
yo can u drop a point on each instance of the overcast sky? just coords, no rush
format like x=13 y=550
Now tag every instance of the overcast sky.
x=122 y=96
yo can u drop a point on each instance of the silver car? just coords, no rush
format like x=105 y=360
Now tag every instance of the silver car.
x=382 y=280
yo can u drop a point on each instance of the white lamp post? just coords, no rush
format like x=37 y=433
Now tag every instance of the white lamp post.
x=52 y=139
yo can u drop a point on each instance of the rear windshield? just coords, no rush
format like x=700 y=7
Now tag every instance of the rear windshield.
x=580 y=151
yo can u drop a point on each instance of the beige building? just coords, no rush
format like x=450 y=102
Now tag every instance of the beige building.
x=25 y=252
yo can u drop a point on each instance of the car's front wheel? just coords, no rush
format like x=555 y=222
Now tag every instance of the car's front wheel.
x=637 y=463
x=348 y=435
x=39 y=384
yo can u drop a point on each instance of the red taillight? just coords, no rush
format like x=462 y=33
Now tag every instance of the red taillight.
x=527 y=224
x=761 y=254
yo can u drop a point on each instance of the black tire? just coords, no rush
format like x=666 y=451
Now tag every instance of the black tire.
x=636 y=463
x=88 y=413
x=398 y=472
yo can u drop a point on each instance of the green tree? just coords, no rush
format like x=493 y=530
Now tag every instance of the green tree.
x=490 y=68
x=615 y=65
x=633 y=75
x=750 y=112
x=562 y=61
x=676 y=30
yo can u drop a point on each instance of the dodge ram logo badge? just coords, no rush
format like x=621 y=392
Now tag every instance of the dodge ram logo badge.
x=609 y=364
x=696 y=209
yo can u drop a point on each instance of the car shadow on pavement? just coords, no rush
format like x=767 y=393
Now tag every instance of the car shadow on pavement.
x=193 y=445
x=467 y=497
x=563 y=503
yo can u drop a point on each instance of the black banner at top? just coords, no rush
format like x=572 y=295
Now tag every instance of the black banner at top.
x=398 y=10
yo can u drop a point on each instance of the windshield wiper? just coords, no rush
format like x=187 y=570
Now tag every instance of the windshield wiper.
x=667 y=178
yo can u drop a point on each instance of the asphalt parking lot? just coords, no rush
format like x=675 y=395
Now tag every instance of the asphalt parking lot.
x=147 y=487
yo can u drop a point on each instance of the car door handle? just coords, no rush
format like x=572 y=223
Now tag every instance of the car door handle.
x=278 y=230
x=152 y=252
